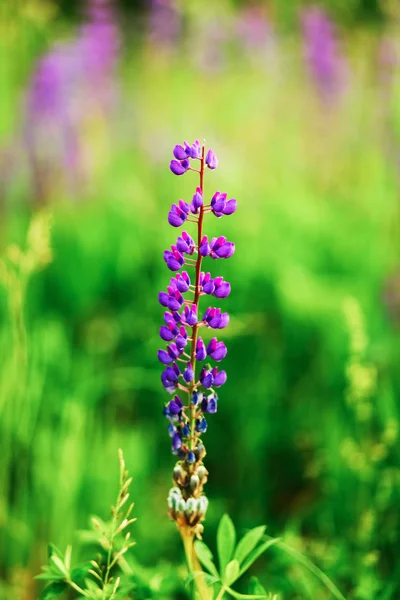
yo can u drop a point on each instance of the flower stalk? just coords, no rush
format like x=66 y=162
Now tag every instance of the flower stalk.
x=186 y=348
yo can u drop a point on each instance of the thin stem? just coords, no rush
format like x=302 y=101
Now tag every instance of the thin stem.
x=221 y=593
x=77 y=588
x=197 y=294
x=193 y=563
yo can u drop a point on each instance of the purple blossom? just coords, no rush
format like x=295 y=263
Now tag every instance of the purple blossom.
x=221 y=206
x=178 y=214
x=211 y=160
x=185 y=243
x=197 y=201
x=222 y=288
x=201 y=352
x=188 y=374
x=205 y=248
x=220 y=248
x=168 y=332
x=201 y=425
x=189 y=316
x=174 y=259
x=181 y=322
x=179 y=152
x=321 y=52
x=216 y=350
x=179 y=167
x=214 y=318
x=181 y=281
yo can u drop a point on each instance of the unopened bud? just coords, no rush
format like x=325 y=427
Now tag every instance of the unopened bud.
x=181 y=506
x=194 y=482
x=177 y=474
x=201 y=472
x=191 y=505
x=202 y=504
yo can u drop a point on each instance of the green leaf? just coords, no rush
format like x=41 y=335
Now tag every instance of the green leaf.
x=53 y=550
x=256 y=587
x=248 y=542
x=209 y=579
x=54 y=590
x=240 y=596
x=231 y=572
x=205 y=556
x=50 y=575
x=257 y=553
x=59 y=564
x=226 y=538
x=324 y=579
x=80 y=572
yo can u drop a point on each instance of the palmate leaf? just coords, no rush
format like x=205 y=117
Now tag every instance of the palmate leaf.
x=240 y=596
x=248 y=542
x=209 y=579
x=231 y=572
x=205 y=556
x=252 y=557
x=226 y=539
x=53 y=590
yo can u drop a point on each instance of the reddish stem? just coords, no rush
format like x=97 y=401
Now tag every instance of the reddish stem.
x=196 y=297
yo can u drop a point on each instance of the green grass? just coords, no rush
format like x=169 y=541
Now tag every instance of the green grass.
x=317 y=224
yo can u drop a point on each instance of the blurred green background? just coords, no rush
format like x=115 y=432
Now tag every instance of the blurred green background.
x=300 y=103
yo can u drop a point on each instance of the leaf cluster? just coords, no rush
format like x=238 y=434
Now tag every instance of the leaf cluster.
x=95 y=579
x=233 y=560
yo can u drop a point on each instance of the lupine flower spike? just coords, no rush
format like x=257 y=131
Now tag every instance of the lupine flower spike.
x=191 y=385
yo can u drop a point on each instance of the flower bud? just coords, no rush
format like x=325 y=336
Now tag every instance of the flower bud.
x=191 y=505
x=177 y=474
x=194 y=482
x=181 y=506
x=201 y=472
x=202 y=505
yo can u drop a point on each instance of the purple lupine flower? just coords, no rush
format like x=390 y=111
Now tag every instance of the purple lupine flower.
x=178 y=214
x=164 y=25
x=207 y=284
x=179 y=152
x=71 y=83
x=179 y=167
x=211 y=160
x=201 y=352
x=175 y=406
x=190 y=315
x=214 y=318
x=222 y=288
x=221 y=206
x=185 y=243
x=220 y=248
x=176 y=441
x=205 y=248
x=194 y=151
x=172 y=317
x=182 y=281
x=188 y=374
x=181 y=328
x=174 y=259
x=321 y=52
x=168 y=332
x=197 y=201
x=201 y=425
x=216 y=350
x=181 y=338
x=220 y=377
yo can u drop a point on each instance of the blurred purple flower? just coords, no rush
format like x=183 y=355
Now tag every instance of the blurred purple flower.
x=71 y=82
x=321 y=52
x=164 y=25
